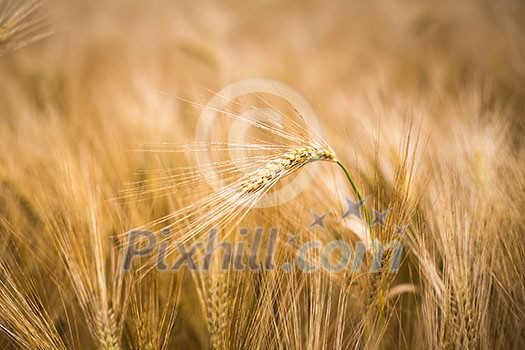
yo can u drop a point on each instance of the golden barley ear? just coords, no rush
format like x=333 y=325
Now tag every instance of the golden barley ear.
x=283 y=166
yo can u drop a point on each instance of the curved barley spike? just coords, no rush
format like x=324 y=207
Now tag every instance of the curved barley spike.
x=284 y=165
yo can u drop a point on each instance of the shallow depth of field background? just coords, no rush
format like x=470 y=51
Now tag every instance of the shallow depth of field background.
x=423 y=100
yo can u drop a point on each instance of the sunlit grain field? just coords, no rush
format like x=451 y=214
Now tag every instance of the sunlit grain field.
x=112 y=179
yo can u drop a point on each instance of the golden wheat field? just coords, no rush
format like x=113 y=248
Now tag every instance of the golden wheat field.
x=262 y=174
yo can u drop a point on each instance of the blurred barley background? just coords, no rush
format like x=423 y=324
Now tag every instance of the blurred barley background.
x=424 y=101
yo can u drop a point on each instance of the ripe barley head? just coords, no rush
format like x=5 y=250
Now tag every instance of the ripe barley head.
x=284 y=165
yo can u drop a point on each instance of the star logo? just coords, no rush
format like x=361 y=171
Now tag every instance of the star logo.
x=400 y=230
x=318 y=220
x=292 y=239
x=379 y=217
x=354 y=208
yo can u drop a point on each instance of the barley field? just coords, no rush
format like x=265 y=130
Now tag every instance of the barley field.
x=262 y=174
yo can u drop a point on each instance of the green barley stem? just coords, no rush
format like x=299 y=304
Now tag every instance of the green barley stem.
x=354 y=187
